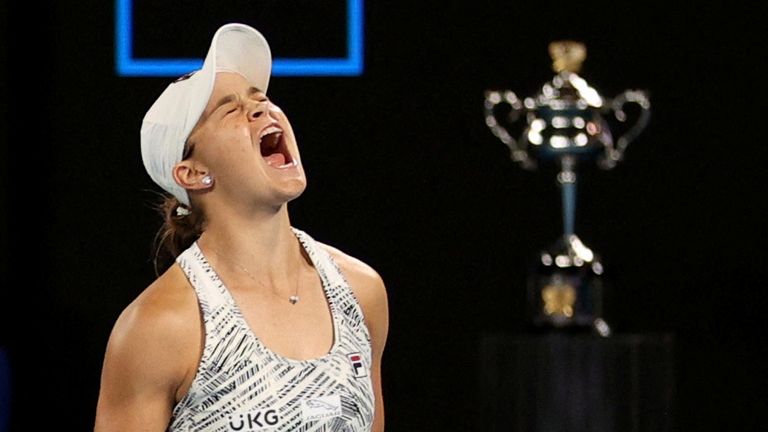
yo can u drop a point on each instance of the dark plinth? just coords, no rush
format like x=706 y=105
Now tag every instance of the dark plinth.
x=576 y=383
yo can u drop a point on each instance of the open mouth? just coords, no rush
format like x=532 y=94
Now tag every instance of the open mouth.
x=273 y=148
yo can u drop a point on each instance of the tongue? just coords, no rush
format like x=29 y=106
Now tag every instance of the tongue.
x=275 y=159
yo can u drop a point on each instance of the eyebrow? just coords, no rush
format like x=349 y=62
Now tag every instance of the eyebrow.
x=231 y=97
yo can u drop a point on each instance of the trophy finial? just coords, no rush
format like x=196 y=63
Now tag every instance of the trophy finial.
x=567 y=55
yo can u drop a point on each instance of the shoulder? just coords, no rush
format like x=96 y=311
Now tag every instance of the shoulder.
x=165 y=304
x=151 y=355
x=158 y=330
x=359 y=274
x=366 y=283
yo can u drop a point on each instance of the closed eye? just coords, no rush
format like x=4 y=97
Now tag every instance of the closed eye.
x=233 y=107
x=228 y=104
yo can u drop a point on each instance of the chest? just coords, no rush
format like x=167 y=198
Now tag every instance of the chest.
x=302 y=330
x=248 y=380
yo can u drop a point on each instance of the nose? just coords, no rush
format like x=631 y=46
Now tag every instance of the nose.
x=257 y=109
x=260 y=110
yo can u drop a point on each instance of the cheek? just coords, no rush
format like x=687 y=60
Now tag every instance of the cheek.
x=244 y=134
x=275 y=109
x=285 y=124
x=235 y=139
x=230 y=147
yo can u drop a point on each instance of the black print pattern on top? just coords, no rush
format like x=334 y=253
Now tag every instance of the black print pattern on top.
x=241 y=385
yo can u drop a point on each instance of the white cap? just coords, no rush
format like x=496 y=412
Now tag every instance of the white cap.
x=168 y=123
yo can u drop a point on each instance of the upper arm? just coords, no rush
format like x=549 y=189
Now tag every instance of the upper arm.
x=372 y=295
x=144 y=365
x=370 y=290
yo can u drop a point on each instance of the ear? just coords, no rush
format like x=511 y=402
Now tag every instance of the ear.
x=188 y=174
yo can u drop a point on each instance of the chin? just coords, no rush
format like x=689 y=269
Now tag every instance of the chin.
x=292 y=189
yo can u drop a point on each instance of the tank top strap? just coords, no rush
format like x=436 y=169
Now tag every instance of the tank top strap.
x=340 y=292
x=207 y=285
x=326 y=267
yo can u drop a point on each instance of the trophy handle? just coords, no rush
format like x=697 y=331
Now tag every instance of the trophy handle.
x=640 y=98
x=493 y=100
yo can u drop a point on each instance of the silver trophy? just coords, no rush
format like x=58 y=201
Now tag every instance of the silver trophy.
x=566 y=124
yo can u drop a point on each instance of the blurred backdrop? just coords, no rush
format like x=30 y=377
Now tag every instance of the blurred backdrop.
x=403 y=174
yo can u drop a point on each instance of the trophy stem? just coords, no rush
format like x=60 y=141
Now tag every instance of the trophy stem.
x=567 y=180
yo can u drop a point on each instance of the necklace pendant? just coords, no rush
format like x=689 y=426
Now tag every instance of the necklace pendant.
x=293 y=299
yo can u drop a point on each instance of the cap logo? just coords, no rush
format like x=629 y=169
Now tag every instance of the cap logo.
x=184 y=77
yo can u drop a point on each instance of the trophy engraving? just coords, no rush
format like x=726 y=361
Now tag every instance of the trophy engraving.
x=567 y=123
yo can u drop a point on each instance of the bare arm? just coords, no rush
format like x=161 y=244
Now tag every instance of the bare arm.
x=147 y=362
x=376 y=313
x=370 y=291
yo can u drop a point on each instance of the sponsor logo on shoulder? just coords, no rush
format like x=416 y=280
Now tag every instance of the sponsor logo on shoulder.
x=256 y=420
x=321 y=408
x=358 y=365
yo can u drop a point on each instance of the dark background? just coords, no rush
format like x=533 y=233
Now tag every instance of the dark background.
x=404 y=175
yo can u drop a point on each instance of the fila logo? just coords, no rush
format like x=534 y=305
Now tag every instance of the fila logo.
x=254 y=420
x=357 y=364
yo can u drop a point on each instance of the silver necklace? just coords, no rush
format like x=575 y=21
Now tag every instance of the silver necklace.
x=293 y=299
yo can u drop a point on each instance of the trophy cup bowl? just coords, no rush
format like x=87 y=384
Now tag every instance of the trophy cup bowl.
x=567 y=123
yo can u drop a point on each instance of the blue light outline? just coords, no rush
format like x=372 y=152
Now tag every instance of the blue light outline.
x=126 y=65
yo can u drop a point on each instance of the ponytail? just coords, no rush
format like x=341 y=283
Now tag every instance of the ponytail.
x=181 y=227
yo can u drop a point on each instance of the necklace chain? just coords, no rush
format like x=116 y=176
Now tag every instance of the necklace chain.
x=293 y=299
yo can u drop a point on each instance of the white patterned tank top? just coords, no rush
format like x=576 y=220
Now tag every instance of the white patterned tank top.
x=241 y=385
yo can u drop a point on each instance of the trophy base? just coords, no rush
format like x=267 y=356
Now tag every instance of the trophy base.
x=565 y=291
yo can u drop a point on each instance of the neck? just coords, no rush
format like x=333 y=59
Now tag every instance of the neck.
x=263 y=243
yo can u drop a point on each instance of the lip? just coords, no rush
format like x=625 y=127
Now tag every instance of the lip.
x=286 y=166
x=272 y=127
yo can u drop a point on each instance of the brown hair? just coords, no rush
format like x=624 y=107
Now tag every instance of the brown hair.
x=178 y=232
x=182 y=225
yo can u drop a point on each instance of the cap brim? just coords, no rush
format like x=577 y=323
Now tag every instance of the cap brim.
x=235 y=48
x=242 y=49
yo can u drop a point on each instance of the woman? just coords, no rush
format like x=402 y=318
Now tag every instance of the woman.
x=255 y=326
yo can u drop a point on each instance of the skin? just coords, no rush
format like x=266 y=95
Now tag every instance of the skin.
x=156 y=343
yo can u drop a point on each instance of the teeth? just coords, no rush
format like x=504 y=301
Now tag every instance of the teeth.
x=269 y=130
x=286 y=165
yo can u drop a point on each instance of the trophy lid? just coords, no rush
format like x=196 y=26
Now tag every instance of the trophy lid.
x=567 y=55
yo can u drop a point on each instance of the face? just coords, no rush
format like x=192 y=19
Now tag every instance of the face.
x=246 y=144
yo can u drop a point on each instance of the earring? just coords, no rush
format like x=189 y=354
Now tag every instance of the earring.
x=207 y=180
